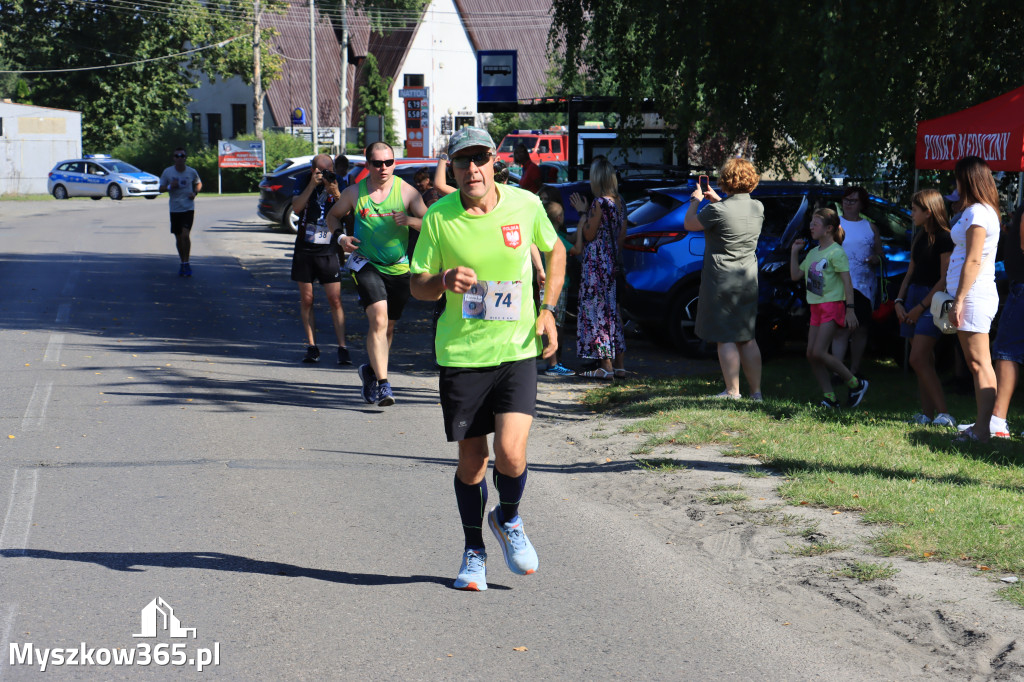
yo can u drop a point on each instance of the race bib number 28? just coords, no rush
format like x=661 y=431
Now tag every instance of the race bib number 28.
x=496 y=301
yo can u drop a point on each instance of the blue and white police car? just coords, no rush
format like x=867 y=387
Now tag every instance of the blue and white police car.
x=97 y=176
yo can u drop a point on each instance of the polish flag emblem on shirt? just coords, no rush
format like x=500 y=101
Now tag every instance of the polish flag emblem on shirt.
x=512 y=236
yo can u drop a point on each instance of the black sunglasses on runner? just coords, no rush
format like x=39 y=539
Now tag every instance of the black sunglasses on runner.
x=380 y=163
x=481 y=160
x=179 y=156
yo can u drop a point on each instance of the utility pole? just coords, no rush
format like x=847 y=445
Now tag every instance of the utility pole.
x=343 y=104
x=312 y=77
x=257 y=73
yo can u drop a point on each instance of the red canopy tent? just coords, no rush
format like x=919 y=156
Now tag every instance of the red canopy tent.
x=993 y=130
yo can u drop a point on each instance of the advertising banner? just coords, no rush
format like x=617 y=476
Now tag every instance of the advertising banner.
x=240 y=154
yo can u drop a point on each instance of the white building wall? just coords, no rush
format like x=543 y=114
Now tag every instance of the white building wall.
x=442 y=52
x=217 y=97
x=33 y=140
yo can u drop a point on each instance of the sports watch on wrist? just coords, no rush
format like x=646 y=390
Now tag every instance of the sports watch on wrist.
x=443 y=157
x=548 y=307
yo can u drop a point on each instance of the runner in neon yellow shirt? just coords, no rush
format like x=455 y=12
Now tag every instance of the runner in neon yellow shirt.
x=474 y=248
x=385 y=208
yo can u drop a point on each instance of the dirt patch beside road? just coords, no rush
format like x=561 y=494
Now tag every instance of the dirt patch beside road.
x=948 y=619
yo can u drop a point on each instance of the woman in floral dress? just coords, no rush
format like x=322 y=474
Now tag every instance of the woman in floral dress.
x=599 y=238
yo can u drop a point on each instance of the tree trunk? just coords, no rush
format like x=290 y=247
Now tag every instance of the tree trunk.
x=257 y=74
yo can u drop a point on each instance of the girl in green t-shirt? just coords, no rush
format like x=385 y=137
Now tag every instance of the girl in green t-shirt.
x=826 y=274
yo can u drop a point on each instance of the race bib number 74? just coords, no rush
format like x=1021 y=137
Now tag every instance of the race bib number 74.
x=497 y=301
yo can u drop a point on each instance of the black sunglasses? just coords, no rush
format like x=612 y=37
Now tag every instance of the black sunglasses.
x=379 y=163
x=179 y=156
x=481 y=160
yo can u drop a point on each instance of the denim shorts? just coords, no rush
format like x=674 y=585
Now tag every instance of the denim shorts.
x=925 y=325
x=1009 y=343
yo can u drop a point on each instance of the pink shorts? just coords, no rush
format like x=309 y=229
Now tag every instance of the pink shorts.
x=833 y=311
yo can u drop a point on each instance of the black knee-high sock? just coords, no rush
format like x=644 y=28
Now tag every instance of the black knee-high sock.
x=510 y=492
x=472 y=500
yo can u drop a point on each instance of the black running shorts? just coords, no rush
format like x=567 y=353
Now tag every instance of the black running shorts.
x=310 y=267
x=182 y=220
x=472 y=396
x=374 y=285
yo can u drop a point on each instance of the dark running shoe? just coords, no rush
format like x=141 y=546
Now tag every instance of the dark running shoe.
x=384 y=396
x=857 y=394
x=343 y=358
x=829 y=404
x=369 y=379
x=312 y=355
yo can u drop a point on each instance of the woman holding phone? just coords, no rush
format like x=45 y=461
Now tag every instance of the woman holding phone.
x=731 y=229
x=970 y=280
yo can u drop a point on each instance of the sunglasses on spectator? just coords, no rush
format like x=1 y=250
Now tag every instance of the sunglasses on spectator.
x=380 y=163
x=179 y=156
x=481 y=160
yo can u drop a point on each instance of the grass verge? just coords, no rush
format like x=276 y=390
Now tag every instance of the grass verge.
x=933 y=500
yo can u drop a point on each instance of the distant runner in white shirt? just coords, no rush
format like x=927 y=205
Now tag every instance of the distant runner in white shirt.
x=182 y=183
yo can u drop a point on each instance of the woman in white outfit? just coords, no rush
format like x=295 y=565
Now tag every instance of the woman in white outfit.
x=863 y=249
x=970 y=280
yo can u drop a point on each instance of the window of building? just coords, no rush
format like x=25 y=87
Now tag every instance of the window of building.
x=1 y=127
x=414 y=80
x=239 y=120
x=213 y=132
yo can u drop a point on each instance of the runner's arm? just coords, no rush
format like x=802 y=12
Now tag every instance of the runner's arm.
x=427 y=287
x=341 y=208
x=552 y=290
x=299 y=201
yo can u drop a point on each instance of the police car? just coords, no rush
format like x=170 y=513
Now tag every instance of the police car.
x=97 y=176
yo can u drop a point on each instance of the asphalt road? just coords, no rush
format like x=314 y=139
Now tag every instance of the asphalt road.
x=161 y=441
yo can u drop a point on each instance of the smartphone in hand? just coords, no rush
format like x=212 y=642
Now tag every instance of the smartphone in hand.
x=702 y=180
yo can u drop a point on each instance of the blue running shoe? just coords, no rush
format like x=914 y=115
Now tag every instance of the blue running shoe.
x=369 y=379
x=187 y=268
x=558 y=370
x=385 y=398
x=181 y=270
x=519 y=553
x=473 y=571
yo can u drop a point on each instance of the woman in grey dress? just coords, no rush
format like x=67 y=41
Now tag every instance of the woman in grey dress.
x=727 y=312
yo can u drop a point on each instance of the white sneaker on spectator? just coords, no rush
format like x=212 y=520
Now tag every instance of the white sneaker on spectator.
x=920 y=418
x=944 y=419
x=995 y=434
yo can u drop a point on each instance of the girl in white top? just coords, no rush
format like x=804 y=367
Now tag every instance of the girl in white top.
x=970 y=280
x=863 y=249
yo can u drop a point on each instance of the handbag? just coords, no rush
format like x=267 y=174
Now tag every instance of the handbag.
x=941 y=303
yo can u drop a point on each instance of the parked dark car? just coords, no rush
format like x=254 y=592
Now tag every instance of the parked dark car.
x=663 y=262
x=276 y=187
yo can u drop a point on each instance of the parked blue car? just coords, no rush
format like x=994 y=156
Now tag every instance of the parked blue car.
x=663 y=262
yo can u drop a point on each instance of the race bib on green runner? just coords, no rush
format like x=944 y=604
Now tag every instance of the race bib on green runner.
x=494 y=301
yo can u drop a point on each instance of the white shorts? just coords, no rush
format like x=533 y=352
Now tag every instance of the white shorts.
x=978 y=314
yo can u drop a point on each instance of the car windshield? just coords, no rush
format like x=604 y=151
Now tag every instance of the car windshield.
x=120 y=167
x=653 y=210
x=508 y=145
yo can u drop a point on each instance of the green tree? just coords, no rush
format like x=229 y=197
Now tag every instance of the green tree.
x=375 y=97
x=840 y=81
x=57 y=42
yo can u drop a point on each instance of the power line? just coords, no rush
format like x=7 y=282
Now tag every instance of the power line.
x=139 y=61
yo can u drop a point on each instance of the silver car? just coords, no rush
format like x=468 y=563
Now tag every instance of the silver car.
x=97 y=176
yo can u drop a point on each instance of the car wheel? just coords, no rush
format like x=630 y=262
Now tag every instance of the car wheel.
x=290 y=221
x=60 y=192
x=95 y=198
x=681 y=324
x=151 y=196
x=114 y=192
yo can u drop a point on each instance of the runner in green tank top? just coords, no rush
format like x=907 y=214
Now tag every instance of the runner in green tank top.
x=382 y=241
x=385 y=209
